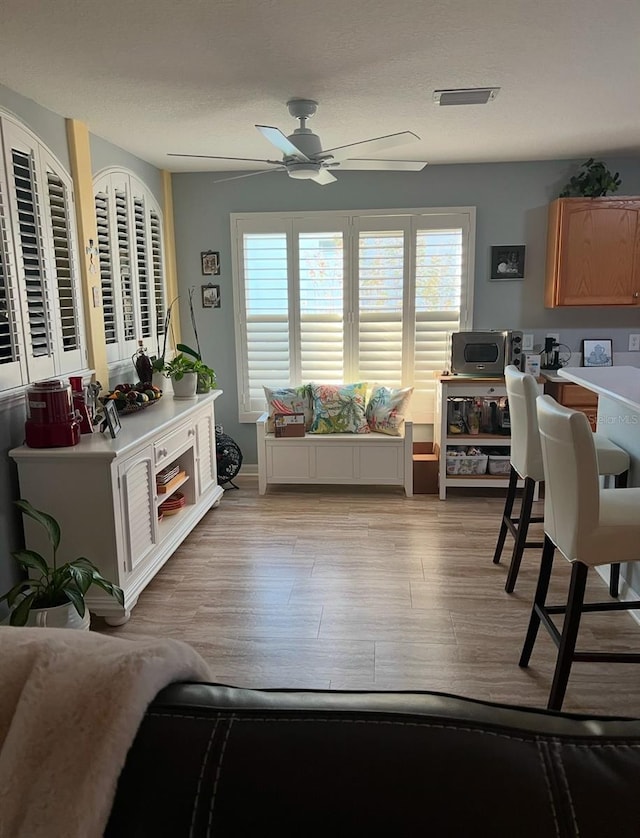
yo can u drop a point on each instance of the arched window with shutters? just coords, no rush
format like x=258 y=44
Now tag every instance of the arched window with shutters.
x=41 y=319
x=131 y=255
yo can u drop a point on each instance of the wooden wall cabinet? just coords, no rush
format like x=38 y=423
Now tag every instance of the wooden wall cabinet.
x=593 y=252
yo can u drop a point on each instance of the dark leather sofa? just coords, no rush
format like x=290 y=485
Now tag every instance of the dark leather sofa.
x=212 y=760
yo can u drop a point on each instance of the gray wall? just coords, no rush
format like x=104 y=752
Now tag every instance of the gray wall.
x=511 y=201
x=104 y=154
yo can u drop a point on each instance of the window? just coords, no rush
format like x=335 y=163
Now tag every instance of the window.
x=131 y=256
x=41 y=323
x=338 y=297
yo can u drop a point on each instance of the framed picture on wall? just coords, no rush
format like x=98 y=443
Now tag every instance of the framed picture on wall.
x=210 y=296
x=210 y=261
x=507 y=261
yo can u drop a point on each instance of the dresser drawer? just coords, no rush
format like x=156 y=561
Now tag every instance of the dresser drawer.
x=572 y=395
x=169 y=446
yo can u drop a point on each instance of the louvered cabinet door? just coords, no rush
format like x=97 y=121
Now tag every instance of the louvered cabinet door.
x=136 y=484
x=206 y=451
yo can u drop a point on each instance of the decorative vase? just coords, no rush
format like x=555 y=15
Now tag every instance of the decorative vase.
x=61 y=616
x=185 y=388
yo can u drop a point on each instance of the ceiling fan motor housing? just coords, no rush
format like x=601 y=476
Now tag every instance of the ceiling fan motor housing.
x=308 y=142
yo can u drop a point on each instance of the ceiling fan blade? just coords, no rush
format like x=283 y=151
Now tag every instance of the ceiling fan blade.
x=323 y=177
x=249 y=174
x=214 y=157
x=382 y=165
x=275 y=136
x=344 y=152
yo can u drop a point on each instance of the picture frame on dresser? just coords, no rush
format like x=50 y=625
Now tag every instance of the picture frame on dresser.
x=113 y=419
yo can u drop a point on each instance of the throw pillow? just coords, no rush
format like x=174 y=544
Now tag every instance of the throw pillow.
x=339 y=409
x=289 y=400
x=386 y=409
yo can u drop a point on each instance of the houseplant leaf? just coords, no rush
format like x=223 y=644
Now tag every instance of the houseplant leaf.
x=29 y=558
x=20 y=613
x=76 y=597
x=47 y=521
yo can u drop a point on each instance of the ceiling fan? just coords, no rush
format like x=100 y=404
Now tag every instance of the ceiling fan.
x=305 y=159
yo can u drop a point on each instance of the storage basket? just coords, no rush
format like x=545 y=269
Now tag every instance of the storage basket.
x=499 y=464
x=467 y=464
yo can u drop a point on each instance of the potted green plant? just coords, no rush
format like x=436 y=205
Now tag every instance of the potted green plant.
x=54 y=595
x=206 y=375
x=594 y=182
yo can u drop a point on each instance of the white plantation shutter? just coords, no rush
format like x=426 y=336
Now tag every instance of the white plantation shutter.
x=321 y=294
x=158 y=271
x=36 y=298
x=381 y=283
x=41 y=322
x=11 y=367
x=144 y=274
x=123 y=233
x=103 y=220
x=357 y=296
x=68 y=322
x=132 y=268
x=265 y=291
x=438 y=305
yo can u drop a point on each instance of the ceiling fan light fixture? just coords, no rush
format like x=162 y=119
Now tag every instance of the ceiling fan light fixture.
x=303 y=171
x=466 y=96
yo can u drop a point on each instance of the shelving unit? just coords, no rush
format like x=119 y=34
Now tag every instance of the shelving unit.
x=460 y=387
x=110 y=513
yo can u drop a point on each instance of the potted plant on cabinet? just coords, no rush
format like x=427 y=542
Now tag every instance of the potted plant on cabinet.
x=595 y=181
x=54 y=596
x=184 y=372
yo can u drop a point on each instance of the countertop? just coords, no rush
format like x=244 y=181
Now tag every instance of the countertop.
x=619 y=383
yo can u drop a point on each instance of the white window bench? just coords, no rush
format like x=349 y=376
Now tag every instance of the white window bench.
x=337 y=459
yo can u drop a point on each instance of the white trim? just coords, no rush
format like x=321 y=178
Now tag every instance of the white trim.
x=351 y=223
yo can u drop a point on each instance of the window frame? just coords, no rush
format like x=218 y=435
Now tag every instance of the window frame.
x=109 y=181
x=354 y=222
x=15 y=376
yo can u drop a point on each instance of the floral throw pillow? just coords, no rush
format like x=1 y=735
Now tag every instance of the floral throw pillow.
x=386 y=409
x=289 y=400
x=339 y=409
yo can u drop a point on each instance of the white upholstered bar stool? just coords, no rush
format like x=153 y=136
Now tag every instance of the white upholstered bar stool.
x=526 y=463
x=590 y=526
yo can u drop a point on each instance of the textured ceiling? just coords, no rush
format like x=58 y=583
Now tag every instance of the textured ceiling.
x=156 y=76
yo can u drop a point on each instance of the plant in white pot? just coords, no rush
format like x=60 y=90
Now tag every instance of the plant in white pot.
x=54 y=595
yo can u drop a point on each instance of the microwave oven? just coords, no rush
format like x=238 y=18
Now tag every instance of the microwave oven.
x=485 y=353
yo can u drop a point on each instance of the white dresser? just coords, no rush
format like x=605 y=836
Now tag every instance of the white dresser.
x=103 y=494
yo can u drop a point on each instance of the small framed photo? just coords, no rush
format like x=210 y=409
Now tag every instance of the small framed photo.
x=597 y=353
x=507 y=261
x=210 y=261
x=112 y=417
x=210 y=296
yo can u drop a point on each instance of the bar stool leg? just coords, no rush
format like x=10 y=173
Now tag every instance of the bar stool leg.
x=521 y=538
x=546 y=563
x=506 y=515
x=569 y=635
x=614 y=578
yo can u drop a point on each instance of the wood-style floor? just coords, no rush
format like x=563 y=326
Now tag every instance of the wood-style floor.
x=365 y=589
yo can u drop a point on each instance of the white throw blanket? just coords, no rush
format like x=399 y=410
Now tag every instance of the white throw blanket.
x=71 y=703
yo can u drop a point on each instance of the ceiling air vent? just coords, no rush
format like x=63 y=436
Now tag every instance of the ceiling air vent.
x=465 y=96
